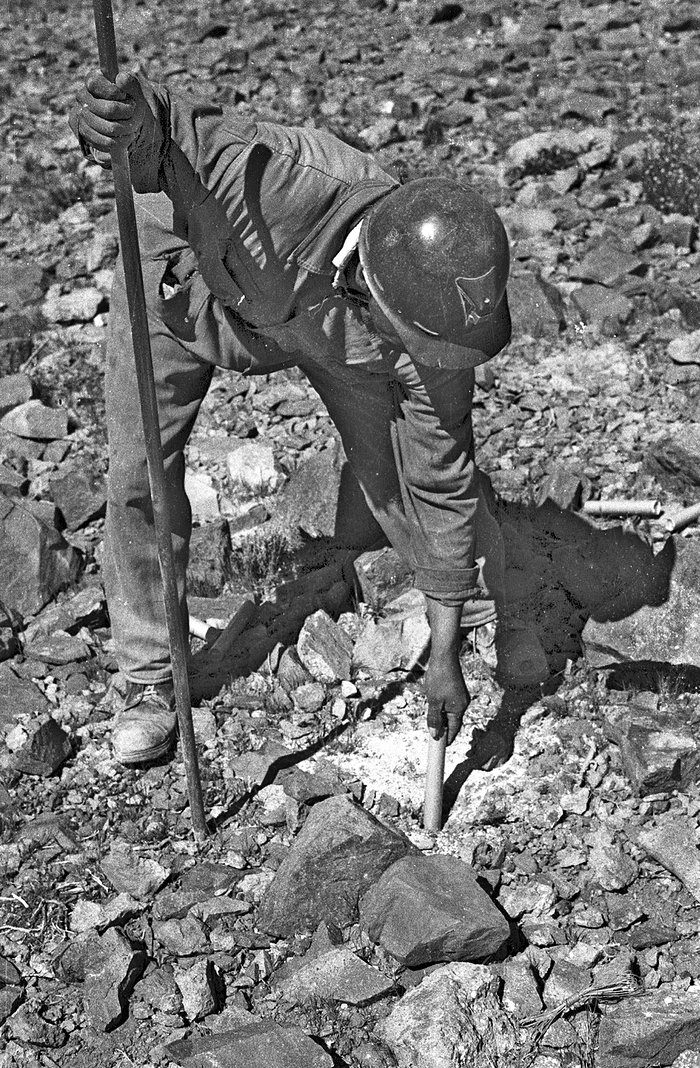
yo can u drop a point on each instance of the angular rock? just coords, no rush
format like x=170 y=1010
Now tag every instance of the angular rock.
x=382 y=575
x=112 y=969
x=426 y=909
x=132 y=874
x=79 y=306
x=14 y=390
x=198 y=987
x=601 y=306
x=654 y=1029
x=252 y=467
x=338 y=975
x=203 y=496
x=181 y=937
x=27 y=1026
x=609 y=867
x=667 y=629
x=19 y=697
x=659 y=749
x=253 y=766
x=58 y=648
x=9 y=644
x=159 y=990
x=552 y=150
x=34 y=420
x=341 y=851
x=324 y=648
x=210 y=559
x=563 y=486
x=607 y=264
x=309 y=499
x=96 y=916
x=10 y=998
x=79 y=494
x=685 y=349
x=378 y=647
x=521 y=994
x=452 y=1020
x=263 y=1044
x=671 y=841
x=536 y=307
x=45 y=749
x=35 y=561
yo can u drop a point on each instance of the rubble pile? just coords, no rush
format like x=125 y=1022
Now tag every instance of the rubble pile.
x=555 y=919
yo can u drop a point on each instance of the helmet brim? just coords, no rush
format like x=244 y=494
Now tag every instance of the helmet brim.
x=481 y=342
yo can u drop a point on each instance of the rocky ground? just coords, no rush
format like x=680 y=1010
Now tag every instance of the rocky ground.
x=554 y=920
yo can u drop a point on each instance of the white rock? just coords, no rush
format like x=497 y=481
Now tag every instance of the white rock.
x=203 y=497
x=252 y=467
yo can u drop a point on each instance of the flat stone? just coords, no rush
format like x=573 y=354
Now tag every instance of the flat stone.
x=252 y=467
x=560 y=148
x=521 y=994
x=665 y=626
x=452 y=1020
x=36 y=563
x=563 y=486
x=607 y=264
x=34 y=420
x=14 y=390
x=378 y=647
x=132 y=874
x=341 y=851
x=254 y=765
x=79 y=494
x=671 y=840
x=426 y=909
x=338 y=975
x=659 y=749
x=9 y=644
x=600 y=305
x=98 y=916
x=113 y=967
x=263 y=1044
x=46 y=748
x=654 y=1029
x=78 y=306
x=324 y=648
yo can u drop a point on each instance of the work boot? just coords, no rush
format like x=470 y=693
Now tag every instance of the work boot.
x=521 y=661
x=144 y=727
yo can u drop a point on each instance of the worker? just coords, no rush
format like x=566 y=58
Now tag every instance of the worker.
x=265 y=246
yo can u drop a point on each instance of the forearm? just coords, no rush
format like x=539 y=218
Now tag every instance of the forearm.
x=444 y=622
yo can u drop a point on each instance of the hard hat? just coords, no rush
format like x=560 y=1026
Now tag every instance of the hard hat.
x=434 y=256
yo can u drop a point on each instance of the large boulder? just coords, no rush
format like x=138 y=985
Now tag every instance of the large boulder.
x=341 y=851
x=653 y=1030
x=426 y=909
x=35 y=560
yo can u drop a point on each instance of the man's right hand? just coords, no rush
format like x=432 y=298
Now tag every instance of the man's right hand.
x=108 y=113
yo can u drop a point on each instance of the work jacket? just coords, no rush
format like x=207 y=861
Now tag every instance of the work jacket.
x=259 y=211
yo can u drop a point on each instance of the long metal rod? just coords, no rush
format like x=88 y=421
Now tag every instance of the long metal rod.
x=129 y=243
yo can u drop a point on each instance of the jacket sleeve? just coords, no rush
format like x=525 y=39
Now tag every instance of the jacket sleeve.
x=439 y=478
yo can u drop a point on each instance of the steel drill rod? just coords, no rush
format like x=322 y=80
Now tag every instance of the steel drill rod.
x=434 y=780
x=129 y=244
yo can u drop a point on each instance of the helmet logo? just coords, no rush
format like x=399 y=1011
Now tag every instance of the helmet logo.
x=477 y=296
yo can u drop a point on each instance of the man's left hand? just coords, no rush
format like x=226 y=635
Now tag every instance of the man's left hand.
x=447 y=694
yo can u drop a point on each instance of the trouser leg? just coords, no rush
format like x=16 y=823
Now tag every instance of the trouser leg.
x=132 y=574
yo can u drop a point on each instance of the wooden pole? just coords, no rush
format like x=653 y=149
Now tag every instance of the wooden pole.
x=129 y=244
x=434 y=778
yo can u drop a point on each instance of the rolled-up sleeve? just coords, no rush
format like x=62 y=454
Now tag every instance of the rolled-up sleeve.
x=439 y=480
